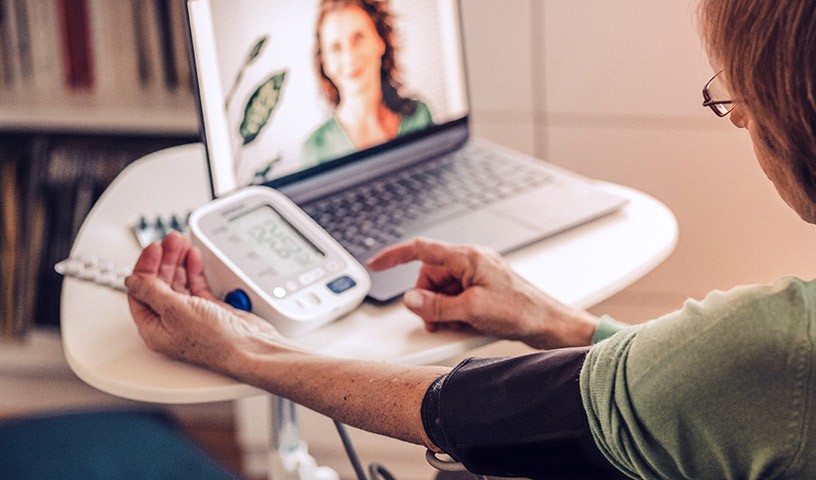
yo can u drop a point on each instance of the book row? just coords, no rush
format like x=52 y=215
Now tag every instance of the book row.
x=49 y=185
x=114 y=48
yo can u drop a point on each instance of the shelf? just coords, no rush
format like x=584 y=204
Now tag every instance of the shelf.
x=160 y=115
x=39 y=354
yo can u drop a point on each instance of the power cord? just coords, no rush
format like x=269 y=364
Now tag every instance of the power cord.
x=376 y=471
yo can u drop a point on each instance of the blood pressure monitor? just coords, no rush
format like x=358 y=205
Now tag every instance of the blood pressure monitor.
x=263 y=253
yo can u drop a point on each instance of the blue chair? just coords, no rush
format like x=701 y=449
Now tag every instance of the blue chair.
x=102 y=445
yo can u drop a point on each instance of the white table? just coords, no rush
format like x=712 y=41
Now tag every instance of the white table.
x=580 y=267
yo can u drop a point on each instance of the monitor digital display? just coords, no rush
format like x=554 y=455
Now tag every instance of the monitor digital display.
x=276 y=242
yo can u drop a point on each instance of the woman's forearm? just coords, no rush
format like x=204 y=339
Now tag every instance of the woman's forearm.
x=378 y=397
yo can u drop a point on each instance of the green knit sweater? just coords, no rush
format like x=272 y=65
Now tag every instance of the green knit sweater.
x=723 y=388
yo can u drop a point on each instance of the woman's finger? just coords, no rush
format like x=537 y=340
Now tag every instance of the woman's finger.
x=149 y=260
x=196 y=279
x=174 y=250
x=437 y=307
x=438 y=279
x=151 y=292
x=180 y=281
x=423 y=249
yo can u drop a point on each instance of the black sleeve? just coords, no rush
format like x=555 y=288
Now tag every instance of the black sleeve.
x=516 y=417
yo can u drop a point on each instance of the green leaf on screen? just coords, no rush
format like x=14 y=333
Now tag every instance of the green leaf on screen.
x=256 y=50
x=260 y=106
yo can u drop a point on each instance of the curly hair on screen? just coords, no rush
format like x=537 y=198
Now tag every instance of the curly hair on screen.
x=380 y=14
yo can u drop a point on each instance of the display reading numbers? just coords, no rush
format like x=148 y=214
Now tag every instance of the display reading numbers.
x=280 y=241
x=275 y=241
x=302 y=259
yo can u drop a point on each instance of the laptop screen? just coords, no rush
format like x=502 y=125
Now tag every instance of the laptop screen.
x=287 y=87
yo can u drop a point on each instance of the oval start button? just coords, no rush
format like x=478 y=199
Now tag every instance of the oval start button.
x=239 y=299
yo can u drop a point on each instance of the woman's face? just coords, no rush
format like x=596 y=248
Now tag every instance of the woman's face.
x=778 y=170
x=352 y=51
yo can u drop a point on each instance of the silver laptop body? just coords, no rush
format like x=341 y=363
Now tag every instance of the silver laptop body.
x=263 y=107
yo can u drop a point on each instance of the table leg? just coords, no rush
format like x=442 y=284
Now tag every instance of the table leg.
x=270 y=423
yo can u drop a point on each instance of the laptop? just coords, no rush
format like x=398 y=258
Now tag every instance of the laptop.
x=358 y=111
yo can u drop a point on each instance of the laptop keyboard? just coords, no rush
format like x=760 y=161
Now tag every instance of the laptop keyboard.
x=379 y=213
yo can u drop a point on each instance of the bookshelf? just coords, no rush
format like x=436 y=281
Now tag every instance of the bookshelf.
x=78 y=113
x=86 y=87
x=106 y=66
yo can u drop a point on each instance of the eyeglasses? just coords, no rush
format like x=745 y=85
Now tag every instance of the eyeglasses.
x=716 y=96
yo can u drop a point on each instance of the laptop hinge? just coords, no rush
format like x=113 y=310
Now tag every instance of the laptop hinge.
x=341 y=178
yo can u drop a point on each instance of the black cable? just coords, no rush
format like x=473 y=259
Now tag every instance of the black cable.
x=376 y=471
x=352 y=455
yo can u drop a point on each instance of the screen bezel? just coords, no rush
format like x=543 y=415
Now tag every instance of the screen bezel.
x=213 y=125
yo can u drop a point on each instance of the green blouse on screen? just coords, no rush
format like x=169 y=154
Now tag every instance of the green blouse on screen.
x=330 y=141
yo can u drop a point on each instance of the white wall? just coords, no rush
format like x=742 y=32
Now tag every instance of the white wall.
x=612 y=90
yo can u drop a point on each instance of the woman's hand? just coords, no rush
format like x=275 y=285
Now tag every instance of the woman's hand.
x=474 y=286
x=177 y=314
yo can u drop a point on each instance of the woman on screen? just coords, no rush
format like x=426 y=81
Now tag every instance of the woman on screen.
x=355 y=59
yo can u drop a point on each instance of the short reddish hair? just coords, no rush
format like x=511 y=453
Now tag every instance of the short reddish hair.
x=768 y=53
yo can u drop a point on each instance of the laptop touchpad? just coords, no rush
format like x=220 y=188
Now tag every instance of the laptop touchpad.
x=482 y=228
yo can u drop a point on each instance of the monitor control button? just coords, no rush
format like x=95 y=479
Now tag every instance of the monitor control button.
x=341 y=284
x=239 y=299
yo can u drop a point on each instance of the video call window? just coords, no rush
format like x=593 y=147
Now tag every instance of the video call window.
x=305 y=82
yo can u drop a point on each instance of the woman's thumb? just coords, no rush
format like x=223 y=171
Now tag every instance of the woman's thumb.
x=150 y=291
x=434 y=307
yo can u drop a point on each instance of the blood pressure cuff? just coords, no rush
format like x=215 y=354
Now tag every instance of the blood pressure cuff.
x=516 y=417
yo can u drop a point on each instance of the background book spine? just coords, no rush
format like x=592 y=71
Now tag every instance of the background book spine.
x=76 y=40
x=61 y=175
x=20 y=8
x=166 y=40
x=46 y=65
x=181 y=45
x=140 y=36
x=11 y=50
x=8 y=244
x=5 y=80
x=149 y=46
x=115 y=50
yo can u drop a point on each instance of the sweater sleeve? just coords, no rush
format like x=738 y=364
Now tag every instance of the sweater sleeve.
x=718 y=389
x=607 y=327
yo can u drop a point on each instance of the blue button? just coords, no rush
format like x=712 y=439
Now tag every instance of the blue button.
x=239 y=299
x=341 y=284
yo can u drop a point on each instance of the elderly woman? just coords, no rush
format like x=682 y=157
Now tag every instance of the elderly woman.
x=356 y=61
x=723 y=388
